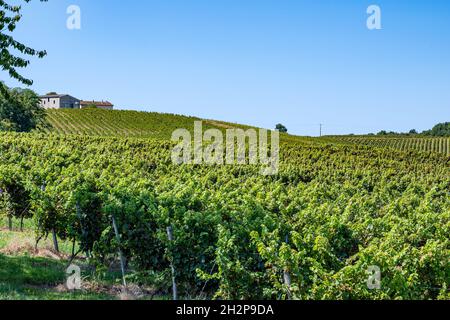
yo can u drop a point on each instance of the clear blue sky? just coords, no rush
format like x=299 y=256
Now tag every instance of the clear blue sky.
x=257 y=62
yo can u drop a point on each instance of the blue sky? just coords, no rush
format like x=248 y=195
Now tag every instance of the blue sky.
x=257 y=62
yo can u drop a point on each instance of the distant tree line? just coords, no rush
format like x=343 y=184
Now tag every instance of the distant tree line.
x=439 y=130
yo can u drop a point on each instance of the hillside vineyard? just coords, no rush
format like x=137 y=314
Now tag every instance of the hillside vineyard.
x=95 y=122
x=424 y=144
x=329 y=215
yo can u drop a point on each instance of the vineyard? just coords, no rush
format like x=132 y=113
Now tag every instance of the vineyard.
x=215 y=219
x=97 y=122
x=425 y=144
x=310 y=232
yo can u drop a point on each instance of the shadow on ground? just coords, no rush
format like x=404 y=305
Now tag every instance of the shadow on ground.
x=35 y=278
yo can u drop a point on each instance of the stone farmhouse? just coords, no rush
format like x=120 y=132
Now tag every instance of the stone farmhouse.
x=65 y=101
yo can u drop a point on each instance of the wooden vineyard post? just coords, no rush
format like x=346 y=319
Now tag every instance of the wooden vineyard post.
x=174 y=284
x=83 y=231
x=55 y=238
x=287 y=276
x=122 y=263
x=55 y=241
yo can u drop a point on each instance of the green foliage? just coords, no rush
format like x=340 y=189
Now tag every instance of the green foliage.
x=14 y=196
x=20 y=111
x=10 y=15
x=90 y=106
x=439 y=130
x=124 y=123
x=281 y=128
x=412 y=143
x=330 y=213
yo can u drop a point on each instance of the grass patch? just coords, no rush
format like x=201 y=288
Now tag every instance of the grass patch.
x=34 y=278
x=23 y=270
x=26 y=274
x=30 y=274
x=30 y=293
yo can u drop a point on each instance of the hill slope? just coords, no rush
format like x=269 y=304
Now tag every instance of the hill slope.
x=121 y=123
x=332 y=211
x=138 y=124
x=417 y=143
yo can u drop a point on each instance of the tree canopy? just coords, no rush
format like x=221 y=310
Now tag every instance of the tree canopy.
x=20 y=110
x=10 y=15
x=281 y=128
x=439 y=130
